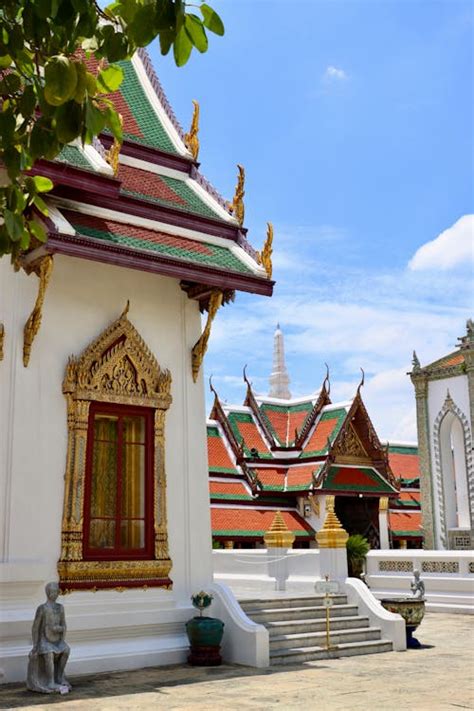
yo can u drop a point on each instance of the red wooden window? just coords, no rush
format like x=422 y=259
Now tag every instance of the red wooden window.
x=118 y=520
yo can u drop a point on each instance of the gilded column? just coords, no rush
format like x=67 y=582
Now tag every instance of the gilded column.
x=383 y=523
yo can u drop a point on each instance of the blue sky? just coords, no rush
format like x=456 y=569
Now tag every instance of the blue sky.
x=354 y=123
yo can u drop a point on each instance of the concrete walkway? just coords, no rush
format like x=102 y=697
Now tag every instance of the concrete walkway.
x=438 y=676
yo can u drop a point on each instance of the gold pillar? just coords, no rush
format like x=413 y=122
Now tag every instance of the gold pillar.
x=332 y=534
x=279 y=535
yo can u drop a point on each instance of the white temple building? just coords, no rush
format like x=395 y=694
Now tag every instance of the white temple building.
x=445 y=416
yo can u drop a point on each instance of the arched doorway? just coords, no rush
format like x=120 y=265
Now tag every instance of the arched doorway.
x=452 y=449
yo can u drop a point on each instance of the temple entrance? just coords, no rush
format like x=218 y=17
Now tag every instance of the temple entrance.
x=360 y=515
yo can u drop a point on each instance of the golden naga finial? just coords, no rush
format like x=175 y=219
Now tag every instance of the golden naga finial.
x=200 y=347
x=32 y=326
x=191 y=140
x=265 y=256
x=112 y=155
x=236 y=207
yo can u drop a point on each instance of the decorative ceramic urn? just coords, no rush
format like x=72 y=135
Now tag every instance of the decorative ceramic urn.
x=204 y=634
x=412 y=610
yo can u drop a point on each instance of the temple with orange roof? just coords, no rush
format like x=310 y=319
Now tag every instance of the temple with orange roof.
x=277 y=453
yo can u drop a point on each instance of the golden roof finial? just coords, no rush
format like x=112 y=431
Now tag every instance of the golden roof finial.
x=113 y=154
x=200 y=347
x=278 y=535
x=265 y=256
x=236 y=207
x=332 y=534
x=191 y=140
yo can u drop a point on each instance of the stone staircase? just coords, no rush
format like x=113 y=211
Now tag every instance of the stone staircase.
x=297 y=628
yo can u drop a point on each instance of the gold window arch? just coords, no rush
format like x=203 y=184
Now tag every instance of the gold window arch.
x=116 y=368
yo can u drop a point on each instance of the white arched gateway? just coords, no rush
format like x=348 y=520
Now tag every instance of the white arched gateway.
x=444 y=394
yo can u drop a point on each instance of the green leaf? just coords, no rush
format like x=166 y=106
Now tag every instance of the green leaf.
x=114 y=45
x=69 y=119
x=41 y=205
x=27 y=103
x=109 y=79
x=91 y=84
x=42 y=184
x=81 y=86
x=10 y=84
x=5 y=61
x=166 y=40
x=60 y=80
x=14 y=225
x=114 y=123
x=37 y=230
x=142 y=29
x=212 y=20
x=182 y=48
x=196 y=32
x=95 y=119
x=7 y=127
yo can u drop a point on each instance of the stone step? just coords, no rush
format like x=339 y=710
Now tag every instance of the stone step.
x=318 y=639
x=299 y=613
x=282 y=602
x=315 y=625
x=297 y=655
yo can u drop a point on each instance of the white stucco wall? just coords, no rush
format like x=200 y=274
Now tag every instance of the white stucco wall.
x=83 y=299
x=437 y=392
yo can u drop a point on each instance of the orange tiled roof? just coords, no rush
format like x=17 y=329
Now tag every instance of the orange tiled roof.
x=406 y=466
x=301 y=476
x=252 y=437
x=271 y=478
x=246 y=521
x=217 y=453
x=405 y=523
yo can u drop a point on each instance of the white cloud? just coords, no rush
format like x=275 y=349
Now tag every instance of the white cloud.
x=452 y=248
x=334 y=74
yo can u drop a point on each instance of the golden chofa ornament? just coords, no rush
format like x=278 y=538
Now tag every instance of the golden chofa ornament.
x=279 y=535
x=191 y=140
x=332 y=534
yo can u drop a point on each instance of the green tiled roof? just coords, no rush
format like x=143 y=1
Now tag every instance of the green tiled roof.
x=194 y=204
x=231 y=497
x=154 y=134
x=143 y=239
x=73 y=156
x=401 y=449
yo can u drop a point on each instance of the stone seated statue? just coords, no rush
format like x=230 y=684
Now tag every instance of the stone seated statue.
x=48 y=658
x=417 y=586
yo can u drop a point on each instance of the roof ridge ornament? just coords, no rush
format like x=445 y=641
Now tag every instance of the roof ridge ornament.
x=112 y=156
x=265 y=256
x=191 y=140
x=236 y=207
x=362 y=382
x=415 y=362
x=43 y=269
x=326 y=382
x=200 y=347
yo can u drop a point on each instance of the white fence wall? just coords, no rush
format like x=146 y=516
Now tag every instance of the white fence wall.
x=448 y=577
x=253 y=570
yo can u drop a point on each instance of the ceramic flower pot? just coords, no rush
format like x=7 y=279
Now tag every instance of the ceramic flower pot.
x=412 y=610
x=205 y=637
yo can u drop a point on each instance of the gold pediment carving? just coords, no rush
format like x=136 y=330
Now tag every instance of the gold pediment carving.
x=349 y=445
x=119 y=367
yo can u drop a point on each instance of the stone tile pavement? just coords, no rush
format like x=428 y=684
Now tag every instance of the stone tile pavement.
x=439 y=676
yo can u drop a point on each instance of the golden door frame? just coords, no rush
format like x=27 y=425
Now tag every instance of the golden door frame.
x=118 y=368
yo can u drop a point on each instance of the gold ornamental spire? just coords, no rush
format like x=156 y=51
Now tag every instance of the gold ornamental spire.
x=191 y=140
x=265 y=256
x=112 y=156
x=279 y=535
x=236 y=207
x=332 y=534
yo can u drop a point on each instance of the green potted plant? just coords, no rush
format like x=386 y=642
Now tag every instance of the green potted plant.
x=204 y=634
x=357 y=548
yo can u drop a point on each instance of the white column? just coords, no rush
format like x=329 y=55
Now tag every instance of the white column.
x=383 y=523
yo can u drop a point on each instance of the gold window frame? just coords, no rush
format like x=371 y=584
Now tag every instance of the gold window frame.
x=117 y=367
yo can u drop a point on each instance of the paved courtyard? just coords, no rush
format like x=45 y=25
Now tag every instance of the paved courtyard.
x=438 y=676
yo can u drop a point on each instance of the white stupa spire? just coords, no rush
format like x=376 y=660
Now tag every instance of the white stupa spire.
x=279 y=379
